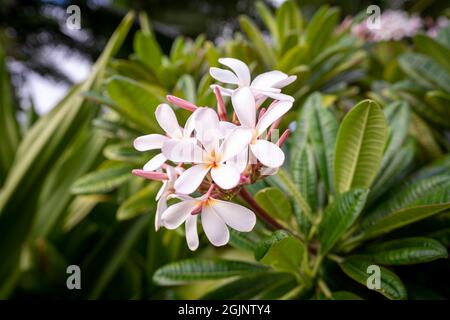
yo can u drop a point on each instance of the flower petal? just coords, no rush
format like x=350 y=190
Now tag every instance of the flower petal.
x=207 y=128
x=239 y=68
x=155 y=163
x=191 y=232
x=215 y=228
x=226 y=176
x=236 y=216
x=240 y=160
x=268 y=153
x=235 y=143
x=244 y=106
x=149 y=142
x=162 y=190
x=191 y=179
x=285 y=82
x=277 y=96
x=177 y=213
x=223 y=91
x=269 y=79
x=168 y=120
x=161 y=206
x=275 y=112
x=225 y=76
x=185 y=150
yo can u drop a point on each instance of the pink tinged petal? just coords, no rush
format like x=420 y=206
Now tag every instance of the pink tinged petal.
x=285 y=82
x=269 y=79
x=239 y=68
x=176 y=214
x=149 y=142
x=185 y=150
x=244 y=106
x=268 y=153
x=236 y=216
x=235 y=143
x=191 y=179
x=215 y=228
x=275 y=112
x=191 y=232
x=168 y=120
x=172 y=174
x=226 y=176
x=160 y=208
x=224 y=76
x=155 y=163
x=189 y=126
x=181 y=103
x=151 y=175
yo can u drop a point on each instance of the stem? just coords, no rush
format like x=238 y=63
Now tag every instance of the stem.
x=324 y=288
x=221 y=109
x=335 y=258
x=260 y=212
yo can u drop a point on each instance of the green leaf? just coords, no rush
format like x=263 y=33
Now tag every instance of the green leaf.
x=390 y=284
x=264 y=245
x=407 y=251
x=140 y=202
x=402 y=218
x=186 y=271
x=359 y=147
x=324 y=128
x=320 y=29
x=275 y=202
x=264 y=51
x=434 y=49
x=148 y=51
x=102 y=180
x=425 y=71
x=135 y=101
x=286 y=255
x=305 y=174
x=339 y=216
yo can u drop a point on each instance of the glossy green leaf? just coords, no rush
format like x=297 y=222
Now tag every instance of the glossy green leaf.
x=264 y=245
x=339 y=216
x=135 y=101
x=274 y=201
x=359 y=147
x=407 y=251
x=204 y=269
x=102 y=180
x=148 y=50
x=434 y=49
x=390 y=284
x=304 y=174
x=285 y=255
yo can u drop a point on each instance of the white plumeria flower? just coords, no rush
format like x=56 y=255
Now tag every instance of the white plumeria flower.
x=215 y=214
x=168 y=122
x=212 y=155
x=268 y=153
x=265 y=85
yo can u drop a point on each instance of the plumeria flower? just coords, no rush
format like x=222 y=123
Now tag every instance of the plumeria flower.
x=265 y=85
x=215 y=214
x=211 y=156
x=168 y=122
x=166 y=190
x=268 y=153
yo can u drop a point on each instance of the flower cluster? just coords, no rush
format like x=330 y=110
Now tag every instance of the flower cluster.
x=212 y=157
